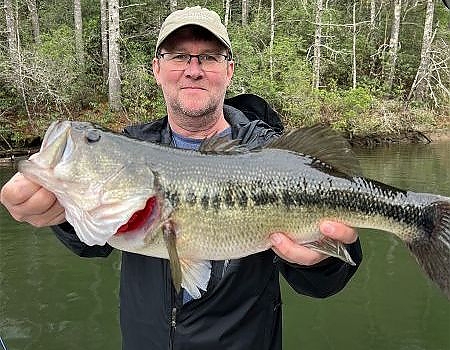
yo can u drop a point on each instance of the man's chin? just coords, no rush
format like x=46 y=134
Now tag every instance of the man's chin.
x=196 y=108
x=196 y=112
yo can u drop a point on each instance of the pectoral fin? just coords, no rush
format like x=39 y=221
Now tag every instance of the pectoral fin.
x=329 y=246
x=192 y=275
x=170 y=239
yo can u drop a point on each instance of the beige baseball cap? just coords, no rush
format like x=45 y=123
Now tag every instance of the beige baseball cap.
x=196 y=15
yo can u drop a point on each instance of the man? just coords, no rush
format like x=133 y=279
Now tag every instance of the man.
x=241 y=307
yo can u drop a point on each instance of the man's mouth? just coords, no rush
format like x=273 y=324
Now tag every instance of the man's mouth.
x=192 y=88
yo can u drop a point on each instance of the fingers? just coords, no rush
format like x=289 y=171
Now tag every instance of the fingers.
x=338 y=231
x=293 y=252
x=51 y=214
x=29 y=202
x=17 y=190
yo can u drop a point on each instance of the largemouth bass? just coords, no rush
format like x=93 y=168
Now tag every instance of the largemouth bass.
x=224 y=201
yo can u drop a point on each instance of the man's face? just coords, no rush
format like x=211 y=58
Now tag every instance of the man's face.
x=192 y=92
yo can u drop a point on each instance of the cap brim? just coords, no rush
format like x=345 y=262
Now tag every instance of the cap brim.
x=176 y=27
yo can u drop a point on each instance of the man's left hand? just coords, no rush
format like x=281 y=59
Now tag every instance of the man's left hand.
x=293 y=252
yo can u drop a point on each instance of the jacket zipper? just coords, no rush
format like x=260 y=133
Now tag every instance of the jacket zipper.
x=173 y=326
x=175 y=305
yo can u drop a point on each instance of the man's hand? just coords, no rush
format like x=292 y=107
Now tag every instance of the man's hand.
x=290 y=251
x=30 y=202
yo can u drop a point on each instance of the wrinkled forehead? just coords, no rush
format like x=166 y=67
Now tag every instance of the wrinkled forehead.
x=185 y=36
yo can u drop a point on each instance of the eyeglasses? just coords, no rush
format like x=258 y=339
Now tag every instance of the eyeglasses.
x=179 y=61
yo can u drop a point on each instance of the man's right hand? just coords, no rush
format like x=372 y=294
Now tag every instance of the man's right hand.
x=29 y=202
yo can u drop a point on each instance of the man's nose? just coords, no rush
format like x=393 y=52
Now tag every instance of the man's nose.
x=194 y=68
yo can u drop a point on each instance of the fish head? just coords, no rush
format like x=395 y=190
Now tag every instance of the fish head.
x=94 y=175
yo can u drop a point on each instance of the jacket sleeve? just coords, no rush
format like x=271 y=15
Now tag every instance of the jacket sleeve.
x=66 y=234
x=323 y=279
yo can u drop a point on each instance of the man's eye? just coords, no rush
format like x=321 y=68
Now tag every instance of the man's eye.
x=207 y=58
x=181 y=57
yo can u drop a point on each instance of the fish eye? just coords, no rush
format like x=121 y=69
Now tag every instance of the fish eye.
x=93 y=135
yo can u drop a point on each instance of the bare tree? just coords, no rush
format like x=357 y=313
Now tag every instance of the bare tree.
x=317 y=44
x=227 y=12
x=372 y=14
x=421 y=80
x=78 y=31
x=272 y=35
x=244 y=12
x=12 y=29
x=104 y=36
x=393 y=44
x=114 y=87
x=11 y=32
x=354 y=46
x=32 y=8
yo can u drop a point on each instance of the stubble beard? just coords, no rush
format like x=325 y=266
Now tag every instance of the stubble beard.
x=195 y=119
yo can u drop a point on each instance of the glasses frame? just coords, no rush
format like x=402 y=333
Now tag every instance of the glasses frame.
x=160 y=55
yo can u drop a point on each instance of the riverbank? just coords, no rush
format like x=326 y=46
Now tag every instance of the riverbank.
x=439 y=135
x=408 y=136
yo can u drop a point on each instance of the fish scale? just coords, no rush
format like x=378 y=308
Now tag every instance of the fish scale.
x=221 y=230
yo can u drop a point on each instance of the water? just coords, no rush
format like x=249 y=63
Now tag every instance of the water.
x=53 y=300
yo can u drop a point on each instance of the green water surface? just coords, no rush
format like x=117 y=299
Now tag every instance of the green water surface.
x=53 y=300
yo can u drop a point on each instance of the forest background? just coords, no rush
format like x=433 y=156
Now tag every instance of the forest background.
x=368 y=67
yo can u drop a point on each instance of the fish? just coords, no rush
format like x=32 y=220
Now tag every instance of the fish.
x=224 y=200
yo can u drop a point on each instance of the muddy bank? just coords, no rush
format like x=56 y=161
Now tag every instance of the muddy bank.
x=409 y=136
x=439 y=135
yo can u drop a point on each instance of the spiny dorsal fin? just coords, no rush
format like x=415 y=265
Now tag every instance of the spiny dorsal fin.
x=322 y=143
x=221 y=145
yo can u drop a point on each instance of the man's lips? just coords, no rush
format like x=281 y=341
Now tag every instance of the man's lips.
x=192 y=88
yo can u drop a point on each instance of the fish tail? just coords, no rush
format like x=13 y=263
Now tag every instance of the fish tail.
x=432 y=248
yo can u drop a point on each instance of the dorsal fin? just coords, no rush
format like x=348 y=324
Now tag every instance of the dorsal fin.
x=222 y=145
x=322 y=143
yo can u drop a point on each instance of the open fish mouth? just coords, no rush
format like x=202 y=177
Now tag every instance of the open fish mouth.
x=56 y=144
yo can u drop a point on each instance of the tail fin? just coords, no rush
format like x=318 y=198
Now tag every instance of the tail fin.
x=432 y=250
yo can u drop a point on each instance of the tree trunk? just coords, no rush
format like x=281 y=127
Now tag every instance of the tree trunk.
x=317 y=43
x=104 y=36
x=78 y=31
x=115 y=93
x=227 y=12
x=393 y=44
x=11 y=32
x=12 y=29
x=244 y=12
x=272 y=35
x=421 y=80
x=372 y=15
x=173 y=5
x=354 y=45
x=32 y=8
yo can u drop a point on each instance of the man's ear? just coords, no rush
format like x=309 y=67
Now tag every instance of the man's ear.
x=230 y=71
x=156 y=68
